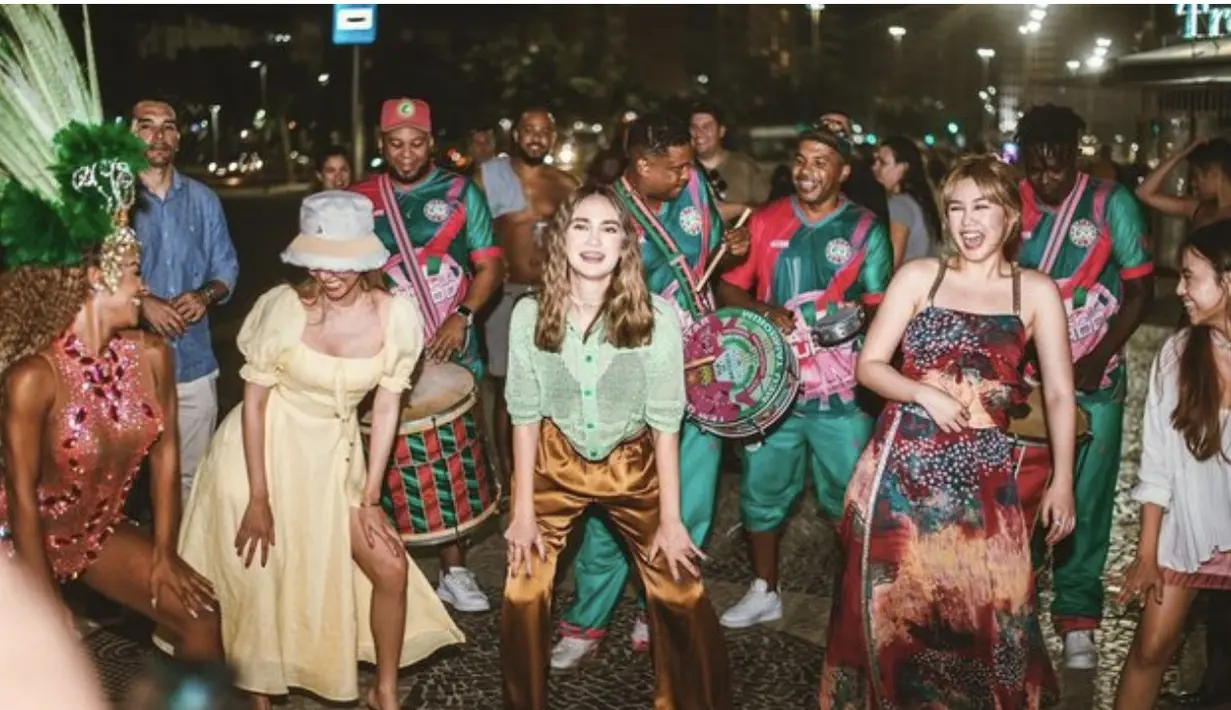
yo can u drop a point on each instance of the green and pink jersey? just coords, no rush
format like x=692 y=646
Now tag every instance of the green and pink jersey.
x=1090 y=244
x=678 y=242
x=437 y=230
x=811 y=269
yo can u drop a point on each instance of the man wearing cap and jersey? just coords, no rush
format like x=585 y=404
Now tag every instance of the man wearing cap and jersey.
x=437 y=226
x=813 y=254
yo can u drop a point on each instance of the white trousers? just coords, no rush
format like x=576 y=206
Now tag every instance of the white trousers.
x=198 y=417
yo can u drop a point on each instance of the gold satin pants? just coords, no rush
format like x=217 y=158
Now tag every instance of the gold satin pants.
x=688 y=650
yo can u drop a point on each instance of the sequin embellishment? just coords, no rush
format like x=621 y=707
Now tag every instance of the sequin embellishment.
x=100 y=433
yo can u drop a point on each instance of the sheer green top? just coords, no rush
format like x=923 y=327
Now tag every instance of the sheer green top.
x=599 y=395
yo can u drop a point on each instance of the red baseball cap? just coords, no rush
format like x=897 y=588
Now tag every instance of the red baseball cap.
x=405 y=113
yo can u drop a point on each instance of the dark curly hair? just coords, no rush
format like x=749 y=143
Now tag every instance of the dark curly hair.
x=37 y=304
x=1050 y=125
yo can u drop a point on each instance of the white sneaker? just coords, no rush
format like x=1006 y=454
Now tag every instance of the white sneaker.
x=1080 y=653
x=639 y=639
x=459 y=590
x=570 y=651
x=758 y=605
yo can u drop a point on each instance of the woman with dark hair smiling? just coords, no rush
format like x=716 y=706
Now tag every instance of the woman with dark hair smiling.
x=1185 y=476
x=914 y=222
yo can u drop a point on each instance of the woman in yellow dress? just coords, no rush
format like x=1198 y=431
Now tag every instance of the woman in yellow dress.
x=284 y=517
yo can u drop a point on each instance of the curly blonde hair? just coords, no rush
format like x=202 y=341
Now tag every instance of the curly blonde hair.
x=997 y=180
x=627 y=313
x=37 y=304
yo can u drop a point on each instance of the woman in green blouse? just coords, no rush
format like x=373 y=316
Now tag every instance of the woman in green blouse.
x=595 y=391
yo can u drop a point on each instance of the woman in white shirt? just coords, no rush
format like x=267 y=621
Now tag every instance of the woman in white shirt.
x=1185 y=486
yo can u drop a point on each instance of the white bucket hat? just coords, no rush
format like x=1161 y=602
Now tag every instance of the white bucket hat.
x=336 y=233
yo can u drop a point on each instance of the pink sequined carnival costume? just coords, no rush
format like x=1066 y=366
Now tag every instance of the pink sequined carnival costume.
x=104 y=421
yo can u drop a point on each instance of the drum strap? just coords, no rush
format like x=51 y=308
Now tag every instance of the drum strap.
x=657 y=233
x=1087 y=273
x=846 y=276
x=410 y=256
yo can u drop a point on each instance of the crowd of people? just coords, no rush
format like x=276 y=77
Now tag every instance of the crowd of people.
x=950 y=377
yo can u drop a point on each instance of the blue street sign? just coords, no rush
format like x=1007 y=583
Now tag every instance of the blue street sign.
x=354 y=24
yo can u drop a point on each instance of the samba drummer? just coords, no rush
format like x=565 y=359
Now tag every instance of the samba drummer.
x=438 y=227
x=1089 y=235
x=681 y=233
x=596 y=397
x=817 y=260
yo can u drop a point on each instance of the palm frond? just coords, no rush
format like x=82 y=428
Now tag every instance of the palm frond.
x=42 y=90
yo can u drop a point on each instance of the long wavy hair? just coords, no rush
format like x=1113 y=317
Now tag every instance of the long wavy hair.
x=997 y=180
x=37 y=304
x=627 y=313
x=1198 y=410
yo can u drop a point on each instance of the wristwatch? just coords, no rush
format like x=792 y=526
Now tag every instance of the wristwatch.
x=465 y=312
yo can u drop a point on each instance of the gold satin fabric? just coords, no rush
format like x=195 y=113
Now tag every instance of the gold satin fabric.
x=686 y=643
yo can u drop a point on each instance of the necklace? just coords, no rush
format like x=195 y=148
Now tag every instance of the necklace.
x=1220 y=341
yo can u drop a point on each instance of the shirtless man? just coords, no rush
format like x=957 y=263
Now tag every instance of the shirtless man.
x=523 y=193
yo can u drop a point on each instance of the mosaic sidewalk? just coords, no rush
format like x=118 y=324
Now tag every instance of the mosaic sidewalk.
x=774 y=667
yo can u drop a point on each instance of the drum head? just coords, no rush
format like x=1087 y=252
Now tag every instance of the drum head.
x=438 y=387
x=738 y=370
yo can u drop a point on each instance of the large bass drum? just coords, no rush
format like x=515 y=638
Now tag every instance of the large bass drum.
x=739 y=373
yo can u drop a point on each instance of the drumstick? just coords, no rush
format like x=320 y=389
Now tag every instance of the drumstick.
x=722 y=251
x=699 y=362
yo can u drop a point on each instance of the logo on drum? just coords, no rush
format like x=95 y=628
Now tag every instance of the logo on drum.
x=690 y=221
x=1083 y=233
x=436 y=210
x=838 y=252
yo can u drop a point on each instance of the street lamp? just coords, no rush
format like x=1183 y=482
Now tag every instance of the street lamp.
x=986 y=54
x=897 y=33
x=1073 y=65
x=815 y=8
x=214 y=127
x=323 y=79
x=263 y=68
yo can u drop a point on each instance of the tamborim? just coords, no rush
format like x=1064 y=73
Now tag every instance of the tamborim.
x=739 y=373
x=838 y=326
x=1030 y=428
x=438 y=486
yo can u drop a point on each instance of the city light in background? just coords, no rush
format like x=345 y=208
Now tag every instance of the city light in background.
x=1034 y=19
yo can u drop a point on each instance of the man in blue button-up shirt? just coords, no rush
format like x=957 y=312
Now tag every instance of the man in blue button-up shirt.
x=188 y=263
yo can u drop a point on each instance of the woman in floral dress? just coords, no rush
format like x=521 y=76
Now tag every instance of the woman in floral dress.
x=935 y=607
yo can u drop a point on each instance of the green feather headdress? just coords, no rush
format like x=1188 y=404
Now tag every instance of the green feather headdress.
x=68 y=178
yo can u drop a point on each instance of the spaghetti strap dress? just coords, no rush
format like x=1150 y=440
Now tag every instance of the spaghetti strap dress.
x=936 y=603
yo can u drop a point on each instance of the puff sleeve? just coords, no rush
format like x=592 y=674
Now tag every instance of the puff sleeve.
x=267 y=335
x=403 y=344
